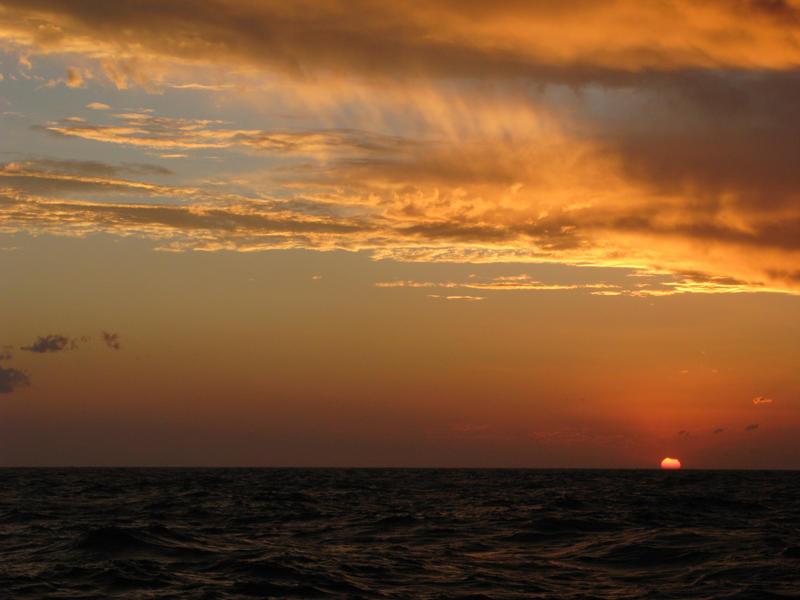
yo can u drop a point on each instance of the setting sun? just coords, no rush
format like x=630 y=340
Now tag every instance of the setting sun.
x=670 y=463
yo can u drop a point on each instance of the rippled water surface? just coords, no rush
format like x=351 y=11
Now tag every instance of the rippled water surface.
x=373 y=533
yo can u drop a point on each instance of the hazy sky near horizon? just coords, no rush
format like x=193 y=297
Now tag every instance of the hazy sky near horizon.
x=546 y=234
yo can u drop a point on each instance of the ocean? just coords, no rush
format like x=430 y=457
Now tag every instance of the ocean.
x=227 y=533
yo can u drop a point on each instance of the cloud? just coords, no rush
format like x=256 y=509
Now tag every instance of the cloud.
x=761 y=400
x=751 y=427
x=719 y=430
x=36 y=199
x=531 y=132
x=138 y=129
x=74 y=77
x=500 y=283
x=545 y=198
x=50 y=343
x=91 y=168
x=441 y=38
x=51 y=177
x=111 y=340
x=12 y=379
x=97 y=106
x=440 y=297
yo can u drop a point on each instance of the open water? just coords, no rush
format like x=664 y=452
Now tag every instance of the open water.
x=398 y=533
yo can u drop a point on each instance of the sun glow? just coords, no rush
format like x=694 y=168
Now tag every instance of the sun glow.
x=670 y=463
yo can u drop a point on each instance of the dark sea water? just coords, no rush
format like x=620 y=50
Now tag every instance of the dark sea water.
x=374 y=533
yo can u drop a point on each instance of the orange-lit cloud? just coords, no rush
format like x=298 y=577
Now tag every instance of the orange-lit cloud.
x=760 y=400
x=592 y=145
x=577 y=40
x=53 y=196
x=440 y=297
x=74 y=79
x=502 y=283
x=149 y=131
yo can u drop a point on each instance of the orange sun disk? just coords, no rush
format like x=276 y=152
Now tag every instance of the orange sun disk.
x=670 y=463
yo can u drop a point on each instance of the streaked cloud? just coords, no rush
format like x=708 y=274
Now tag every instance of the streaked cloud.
x=719 y=430
x=576 y=41
x=751 y=427
x=54 y=196
x=592 y=146
x=441 y=297
x=155 y=132
x=500 y=283
x=760 y=400
x=50 y=178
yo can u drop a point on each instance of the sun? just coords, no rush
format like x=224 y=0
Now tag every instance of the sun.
x=670 y=463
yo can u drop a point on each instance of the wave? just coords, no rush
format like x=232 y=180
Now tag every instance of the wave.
x=356 y=533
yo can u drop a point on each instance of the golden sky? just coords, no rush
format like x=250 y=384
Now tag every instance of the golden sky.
x=521 y=233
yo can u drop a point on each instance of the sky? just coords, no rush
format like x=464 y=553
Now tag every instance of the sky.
x=424 y=234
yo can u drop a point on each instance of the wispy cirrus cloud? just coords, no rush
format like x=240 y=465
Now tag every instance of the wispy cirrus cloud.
x=51 y=178
x=149 y=131
x=577 y=40
x=404 y=224
x=501 y=283
x=587 y=149
x=449 y=297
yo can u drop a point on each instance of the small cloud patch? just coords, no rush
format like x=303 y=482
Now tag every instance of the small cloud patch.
x=111 y=340
x=97 y=106
x=74 y=77
x=761 y=400
x=51 y=343
x=12 y=379
x=751 y=427
x=719 y=430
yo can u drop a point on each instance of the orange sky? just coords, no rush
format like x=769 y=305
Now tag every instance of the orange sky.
x=442 y=234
